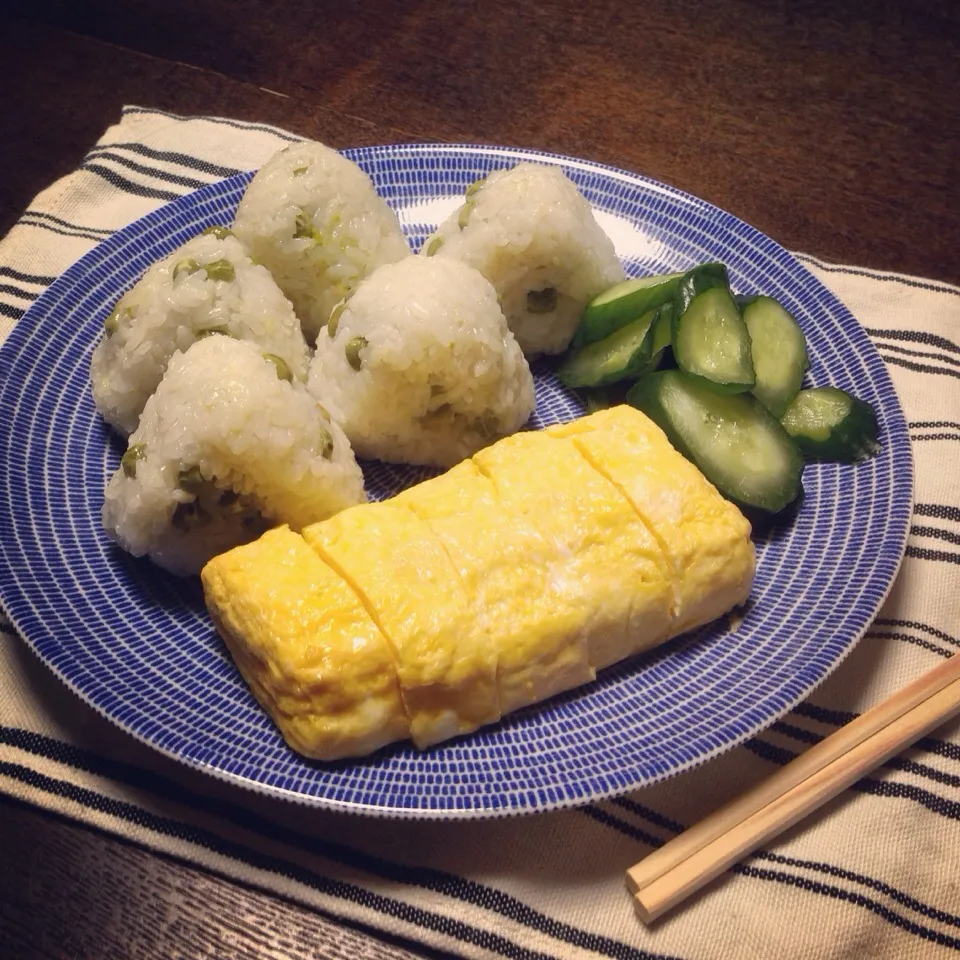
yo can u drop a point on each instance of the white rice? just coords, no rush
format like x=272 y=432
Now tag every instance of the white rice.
x=314 y=219
x=529 y=231
x=229 y=449
x=440 y=375
x=161 y=315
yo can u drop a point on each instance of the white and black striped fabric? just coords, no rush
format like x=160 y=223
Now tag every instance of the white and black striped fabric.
x=875 y=873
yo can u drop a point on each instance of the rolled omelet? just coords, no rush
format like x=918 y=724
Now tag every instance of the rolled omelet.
x=609 y=564
x=506 y=567
x=704 y=538
x=512 y=577
x=445 y=662
x=309 y=651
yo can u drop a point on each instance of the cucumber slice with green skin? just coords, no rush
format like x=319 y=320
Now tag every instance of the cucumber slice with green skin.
x=660 y=338
x=739 y=446
x=710 y=339
x=623 y=303
x=779 y=353
x=698 y=279
x=621 y=356
x=829 y=424
x=649 y=367
x=663 y=328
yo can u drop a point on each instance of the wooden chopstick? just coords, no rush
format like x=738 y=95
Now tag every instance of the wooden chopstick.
x=688 y=862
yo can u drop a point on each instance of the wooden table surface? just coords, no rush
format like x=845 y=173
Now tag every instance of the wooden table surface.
x=833 y=127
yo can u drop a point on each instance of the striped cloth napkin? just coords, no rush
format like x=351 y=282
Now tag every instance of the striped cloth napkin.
x=874 y=873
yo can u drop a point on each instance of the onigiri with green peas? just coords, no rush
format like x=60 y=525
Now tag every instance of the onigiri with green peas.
x=415 y=360
x=533 y=235
x=209 y=285
x=314 y=220
x=228 y=446
x=419 y=366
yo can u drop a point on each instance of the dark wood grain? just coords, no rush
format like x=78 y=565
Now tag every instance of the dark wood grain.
x=74 y=894
x=833 y=127
x=76 y=88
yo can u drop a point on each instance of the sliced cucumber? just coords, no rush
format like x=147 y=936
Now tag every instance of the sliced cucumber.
x=621 y=356
x=660 y=340
x=663 y=328
x=735 y=441
x=710 y=339
x=830 y=424
x=623 y=303
x=779 y=353
x=698 y=279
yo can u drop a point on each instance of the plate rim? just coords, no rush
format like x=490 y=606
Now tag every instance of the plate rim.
x=24 y=329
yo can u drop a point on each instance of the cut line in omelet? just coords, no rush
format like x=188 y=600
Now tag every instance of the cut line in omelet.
x=607 y=563
x=307 y=648
x=705 y=538
x=445 y=662
x=505 y=566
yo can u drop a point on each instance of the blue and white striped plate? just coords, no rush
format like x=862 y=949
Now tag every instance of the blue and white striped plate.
x=137 y=645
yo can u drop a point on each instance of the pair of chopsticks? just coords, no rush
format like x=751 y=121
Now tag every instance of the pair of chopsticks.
x=690 y=861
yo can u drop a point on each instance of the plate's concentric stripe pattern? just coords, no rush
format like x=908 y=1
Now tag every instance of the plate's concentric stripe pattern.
x=137 y=644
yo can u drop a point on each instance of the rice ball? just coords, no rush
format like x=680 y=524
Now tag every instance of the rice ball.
x=225 y=449
x=314 y=219
x=531 y=233
x=207 y=286
x=419 y=366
